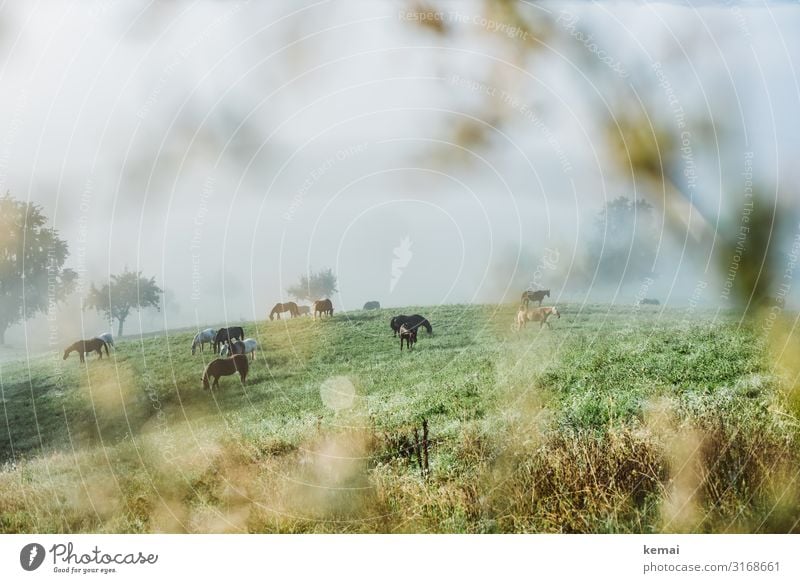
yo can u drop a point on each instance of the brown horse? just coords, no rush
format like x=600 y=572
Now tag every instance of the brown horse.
x=279 y=308
x=534 y=296
x=222 y=367
x=323 y=307
x=409 y=334
x=303 y=310
x=540 y=315
x=83 y=347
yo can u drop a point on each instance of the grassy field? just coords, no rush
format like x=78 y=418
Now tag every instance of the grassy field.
x=613 y=421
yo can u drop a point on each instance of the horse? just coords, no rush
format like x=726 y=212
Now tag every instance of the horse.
x=279 y=308
x=649 y=302
x=203 y=338
x=323 y=307
x=83 y=347
x=372 y=306
x=107 y=338
x=534 y=296
x=303 y=310
x=225 y=335
x=540 y=315
x=222 y=367
x=409 y=334
x=414 y=321
x=248 y=346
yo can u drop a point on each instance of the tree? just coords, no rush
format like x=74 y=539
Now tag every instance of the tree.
x=623 y=244
x=314 y=286
x=125 y=292
x=32 y=256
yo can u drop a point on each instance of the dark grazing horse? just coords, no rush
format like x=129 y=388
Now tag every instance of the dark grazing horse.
x=222 y=367
x=372 y=306
x=323 y=307
x=534 y=296
x=225 y=335
x=279 y=308
x=83 y=347
x=409 y=334
x=649 y=302
x=414 y=322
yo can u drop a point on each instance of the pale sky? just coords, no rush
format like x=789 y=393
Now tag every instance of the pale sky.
x=287 y=136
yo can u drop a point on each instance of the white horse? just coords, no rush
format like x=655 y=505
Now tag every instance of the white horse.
x=200 y=339
x=107 y=338
x=249 y=346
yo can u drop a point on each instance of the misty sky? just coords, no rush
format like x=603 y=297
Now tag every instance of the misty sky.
x=228 y=147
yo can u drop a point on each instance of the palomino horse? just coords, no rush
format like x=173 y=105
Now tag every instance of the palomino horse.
x=534 y=296
x=222 y=367
x=203 y=338
x=279 y=308
x=540 y=315
x=323 y=307
x=225 y=335
x=414 y=322
x=83 y=347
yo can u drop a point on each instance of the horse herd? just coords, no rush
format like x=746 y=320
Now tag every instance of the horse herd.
x=539 y=314
x=321 y=308
x=235 y=351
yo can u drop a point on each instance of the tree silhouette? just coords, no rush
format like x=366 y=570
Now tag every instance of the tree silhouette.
x=623 y=244
x=314 y=286
x=32 y=256
x=125 y=292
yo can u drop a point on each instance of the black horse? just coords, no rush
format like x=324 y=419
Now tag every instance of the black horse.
x=534 y=296
x=372 y=306
x=225 y=335
x=411 y=322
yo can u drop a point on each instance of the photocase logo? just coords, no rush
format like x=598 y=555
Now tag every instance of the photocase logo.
x=31 y=556
x=402 y=257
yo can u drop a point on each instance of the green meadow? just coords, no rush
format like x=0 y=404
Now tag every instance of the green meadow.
x=614 y=420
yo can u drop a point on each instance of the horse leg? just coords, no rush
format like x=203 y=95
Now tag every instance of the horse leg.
x=82 y=356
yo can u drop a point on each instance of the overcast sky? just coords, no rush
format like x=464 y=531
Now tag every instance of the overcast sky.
x=227 y=147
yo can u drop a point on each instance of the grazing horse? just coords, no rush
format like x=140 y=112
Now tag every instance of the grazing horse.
x=249 y=346
x=83 y=347
x=222 y=367
x=649 y=302
x=409 y=334
x=303 y=310
x=534 y=296
x=323 y=307
x=203 y=338
x=279 y=308
x=225 y=335
x=414 y=321
x=108 y=339
x=540 y=315
x=372 y=306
